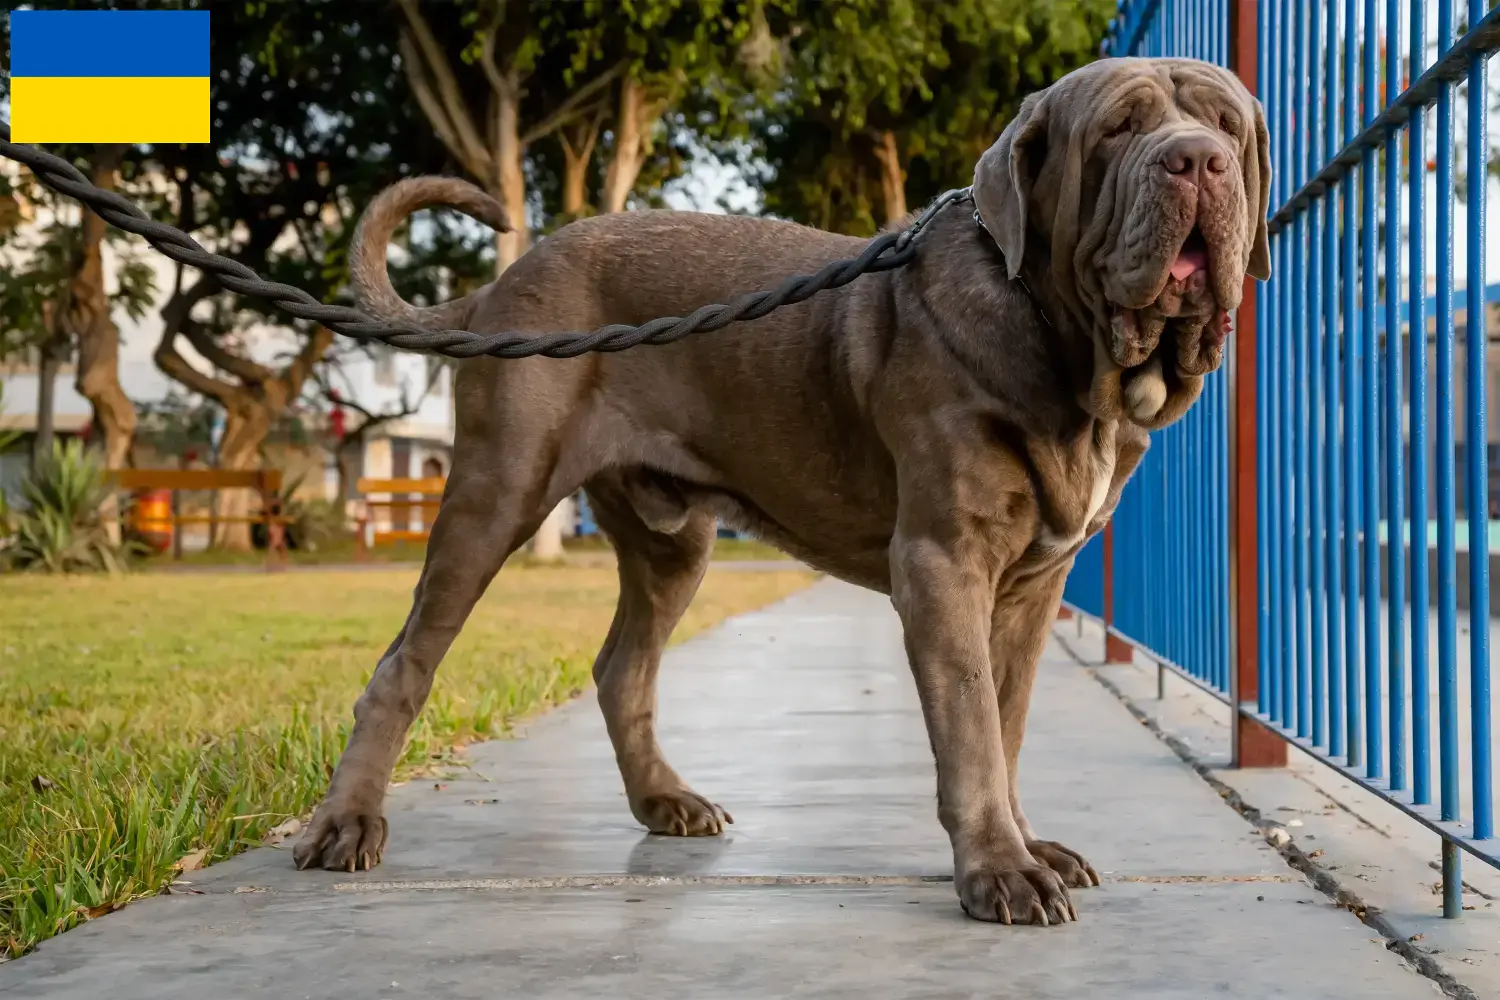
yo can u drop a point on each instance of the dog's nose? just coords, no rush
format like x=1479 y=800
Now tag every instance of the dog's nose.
x=1197 y=158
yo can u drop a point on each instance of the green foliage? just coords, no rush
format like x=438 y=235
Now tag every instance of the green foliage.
x=304 y=135
x=701 y=63
x=311 y=117
x=312 y=524
x=48 y=256
x=178 y=426
x=58 y=528
x=943 y=78
x=315 y=523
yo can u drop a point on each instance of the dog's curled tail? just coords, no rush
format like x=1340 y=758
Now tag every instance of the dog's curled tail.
x=373 y=291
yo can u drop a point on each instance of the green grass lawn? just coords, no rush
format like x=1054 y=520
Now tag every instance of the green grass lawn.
x=147 y=717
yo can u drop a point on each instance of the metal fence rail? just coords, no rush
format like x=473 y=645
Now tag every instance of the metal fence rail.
x=1274 y=545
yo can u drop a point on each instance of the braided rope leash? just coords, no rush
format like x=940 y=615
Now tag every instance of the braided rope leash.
x=883 y=253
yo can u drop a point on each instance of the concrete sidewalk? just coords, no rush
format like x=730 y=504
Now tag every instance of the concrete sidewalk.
x=528 y=877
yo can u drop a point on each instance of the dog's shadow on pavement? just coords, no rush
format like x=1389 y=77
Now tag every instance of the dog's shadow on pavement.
x=654 y=854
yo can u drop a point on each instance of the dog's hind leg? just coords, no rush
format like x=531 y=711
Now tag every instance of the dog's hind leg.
x=661 y=564
x=512 y=465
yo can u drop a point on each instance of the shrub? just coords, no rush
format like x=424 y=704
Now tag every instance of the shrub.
x=311 y=524
x=57 y=528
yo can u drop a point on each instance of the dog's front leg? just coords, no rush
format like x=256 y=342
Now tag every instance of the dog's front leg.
x=943 y=589
x=1022 y=620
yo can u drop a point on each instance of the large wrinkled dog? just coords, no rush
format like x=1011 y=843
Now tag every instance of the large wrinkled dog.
x=948 y=433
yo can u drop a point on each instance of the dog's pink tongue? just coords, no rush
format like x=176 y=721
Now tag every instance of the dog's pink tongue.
x=1189 y=261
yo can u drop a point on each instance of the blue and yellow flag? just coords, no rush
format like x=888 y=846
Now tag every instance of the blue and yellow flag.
x=109 y=76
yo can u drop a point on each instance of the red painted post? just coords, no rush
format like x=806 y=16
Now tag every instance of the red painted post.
x=1116 y=650
x=1254 y=744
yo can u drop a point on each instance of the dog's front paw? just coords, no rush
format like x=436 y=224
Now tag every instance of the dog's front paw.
x=681 y=813
x=1025 y=894
x=1075 y=871
x=343 y=836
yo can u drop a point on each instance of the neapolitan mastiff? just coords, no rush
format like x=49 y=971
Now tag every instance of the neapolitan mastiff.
x=948 y=433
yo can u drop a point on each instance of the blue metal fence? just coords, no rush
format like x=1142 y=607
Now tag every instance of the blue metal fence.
x=1170 y=584
x=1085 y=587
x=1356 y=436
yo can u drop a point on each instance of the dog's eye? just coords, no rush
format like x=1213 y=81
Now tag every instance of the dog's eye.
x=1229 y=124
x=1118 y=128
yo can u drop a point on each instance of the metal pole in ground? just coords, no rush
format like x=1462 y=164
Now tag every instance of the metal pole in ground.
x=1116 y=650
x=1253 y=744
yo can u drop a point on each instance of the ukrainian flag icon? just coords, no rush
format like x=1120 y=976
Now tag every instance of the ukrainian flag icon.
x=109 y=76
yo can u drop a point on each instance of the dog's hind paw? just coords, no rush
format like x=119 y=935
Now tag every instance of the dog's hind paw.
x=682 y=813
x=342 y=838
x=1075 y=871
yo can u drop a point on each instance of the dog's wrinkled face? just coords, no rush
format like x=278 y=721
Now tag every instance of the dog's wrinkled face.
x=1147 y=182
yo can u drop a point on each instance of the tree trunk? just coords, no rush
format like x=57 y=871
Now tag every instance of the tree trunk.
x=575 y=177
x=510 y=180
x=247 y=422
x=88 y=319
x=892 y=177
x=577 y=141
x=46 y=385
x=633 y=124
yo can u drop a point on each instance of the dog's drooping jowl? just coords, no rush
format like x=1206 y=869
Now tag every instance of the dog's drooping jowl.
x=948 y=433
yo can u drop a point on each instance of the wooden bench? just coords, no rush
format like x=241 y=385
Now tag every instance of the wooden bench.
x=429 y=491
x=266 y=483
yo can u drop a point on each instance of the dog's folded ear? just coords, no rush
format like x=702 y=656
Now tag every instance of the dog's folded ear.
x=1257 y=172
x=1004 y=176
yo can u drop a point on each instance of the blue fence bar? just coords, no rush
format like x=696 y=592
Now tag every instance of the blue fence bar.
x=1394 y=462
x=1369 y=283
x=1085 y=586
x=1416 y=435
x=1353 y=430
x=1476 y=429
x=1371 y=462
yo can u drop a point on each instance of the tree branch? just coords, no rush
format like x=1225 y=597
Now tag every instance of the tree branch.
x=174 y=315
x=601 y=111
x=221 y=358
x=296 y=373
x=576 y=104
x=371 y=419
x=587 y=131
x=501 y=86
x=176 y=367
x=198 y=335
x=470 y=150
x=302 y=238
x=432 y=107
